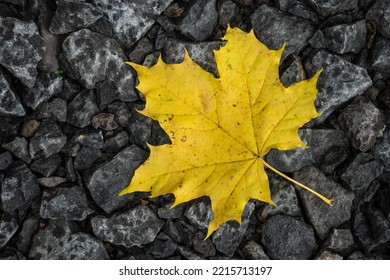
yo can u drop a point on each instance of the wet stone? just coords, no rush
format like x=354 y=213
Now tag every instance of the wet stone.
x=293 y=31
x=322 y=216
x=134 y=227
x=8 y=227
x=9 y=103
x=19 y=147
x=22 y=48
x=362 y=171
x=341 y=242
x=331 y=7
x=200 y=20
x=202 y=246
x=72 y=16
x=380 y=13
x=288 y=239
x=46 y=166
x=345 y=38
x=112 y=177
x=47 y=141
x=254 y=251
x=86 y=157
x=5 y=160
x=380 y=55
x=82 y=108
x=46 y=85
x=65 y=204
x=130 y=21
x=339 y=82
x=56 y=109
x=18 y=187
x=229 y=235
x=362 y=121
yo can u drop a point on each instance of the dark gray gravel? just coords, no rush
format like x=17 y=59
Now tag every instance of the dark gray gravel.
x=71 y=136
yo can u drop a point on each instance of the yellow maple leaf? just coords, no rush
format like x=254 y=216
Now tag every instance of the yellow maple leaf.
x=221 y=128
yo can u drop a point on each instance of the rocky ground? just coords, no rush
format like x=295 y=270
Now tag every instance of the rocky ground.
x=71 y=138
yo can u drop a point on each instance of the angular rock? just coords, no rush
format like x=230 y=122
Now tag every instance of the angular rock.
x=9 y=104
x=229 y=235
x=362 y=171
x=294 y=73
x=70 y=89
x=293 y=31
x=335 y=156
x=72 y=16
x=380 y=13
x=46 y=85
x=9 y=126
x=135 y=227
x=167 y=213
x=19 y=187
x=143 y=47
x=188 y=253
x=30 y=226
x=199 y=213
x=339 y=82
x=362 y=122
x=200 y=21
x=86 y=157
x=131 y=20
x=8 y=227
x=82 y=108
x=29 y=128
x=5 y=160
x=326 y=255
x=51 y=238
x=90 y=137
x=322 y=216
x=19 y=147
x=331 y=7
x=380 y=55
x=341 y=242
x=109 y=179
x=203 y=246
x=345 y=38
x=288 y=239
x=226 y=12
x=46 y=166
x=104 y=121
x=67 y=203
x=162 y=247
x=48 y=140
x=114 y=144
x=21 y=49
x=121 y=112
x=381 y=149
x=254 y=251
x=56 y=109
x=298 y=8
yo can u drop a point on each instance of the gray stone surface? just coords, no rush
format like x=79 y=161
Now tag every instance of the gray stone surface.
x=72 y=16
x=29 y=228
x=19 y=147
x=131 y=20
x=46 y=166
x=339 y=82
x=121 y=112
x=9 y=102
x=334 y=157
x=203 y=246
x=86 y=156
x=8 y=227
x=362 y=171
x=57 y=109
x=5 y=160
x=108 y=180
x=345 y=38
x=162 y=247
x=21 y=48
x=199 y=213
x=48 y=140
x=46 y=85
x=293 y=31
x=200 y=20
x=168 y=213
x=294 y=72
x=380 y=13
x=381 y=149
x=288 y=239
x=330 y=7
x=380 y=55
x=362 y=121
x=51 y=182
x=326 y=255
x=115 y=143
x=66 y=203
x=82 y=108
x=229 y=235
x=226 y=12
x=322 y=216
x=298 y=8
x=19 y=187
x=341 y=242
x=254 y=251
x=134 y=227
x=104 y=121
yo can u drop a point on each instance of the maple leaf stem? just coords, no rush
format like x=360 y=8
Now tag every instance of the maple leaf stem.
x=326 y=200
